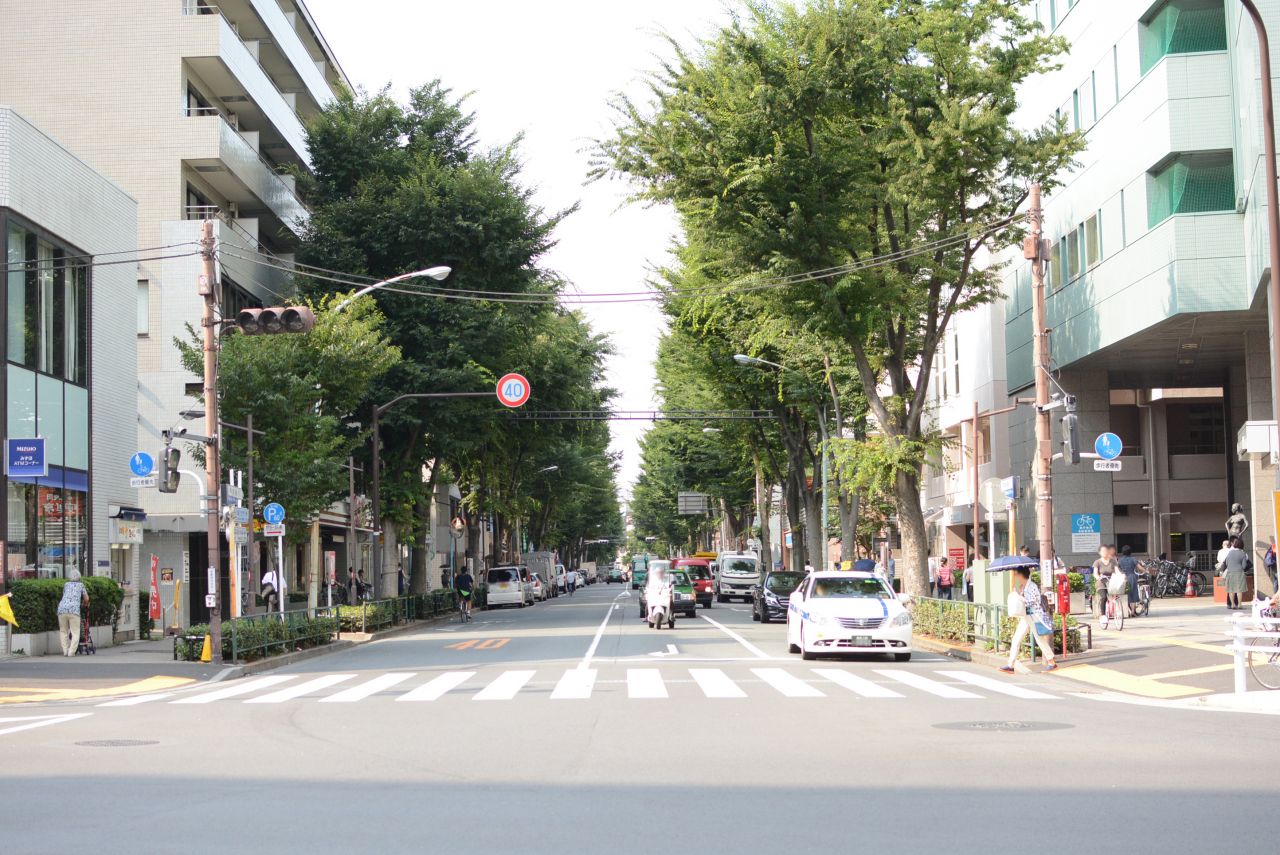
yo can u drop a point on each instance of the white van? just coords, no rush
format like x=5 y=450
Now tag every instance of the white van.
x=508 y=588
x=562 y=578
x=739 y=573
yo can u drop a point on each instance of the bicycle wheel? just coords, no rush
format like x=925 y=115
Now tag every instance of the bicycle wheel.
x=1265 y=666
x=1141 y=607
x=1117 y=610
x=1198 y=583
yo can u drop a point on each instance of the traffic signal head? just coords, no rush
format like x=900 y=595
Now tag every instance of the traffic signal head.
x=169 y=475
x=1070 y=439
x=276 y=319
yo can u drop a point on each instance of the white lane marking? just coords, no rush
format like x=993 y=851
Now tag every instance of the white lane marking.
x=504 y=688
x=645 y=683
x=670 y=651
x=34 y=721
x=575 y=685
x=595 y=642
x=300 y=689
x=751 y=648
x=997 y=686
x=138 y=699
x=364 y=690
x=234 y=690
x=434 y=689
x=924 y=684
x=715 y=683
x=859 y=685
x=787 y=683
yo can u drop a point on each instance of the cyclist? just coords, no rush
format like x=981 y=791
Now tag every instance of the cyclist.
x=571 y=581
x=464 y=585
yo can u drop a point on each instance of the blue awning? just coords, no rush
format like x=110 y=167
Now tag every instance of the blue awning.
x=70 y=479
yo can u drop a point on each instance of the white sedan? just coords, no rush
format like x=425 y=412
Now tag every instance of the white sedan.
x=840 y=612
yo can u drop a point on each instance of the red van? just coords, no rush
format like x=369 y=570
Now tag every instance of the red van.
x=699 y=570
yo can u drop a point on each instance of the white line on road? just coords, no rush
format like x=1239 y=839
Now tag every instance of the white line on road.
x=715 y=683
x=575 y=685
x=234 y=691
x=755 y=651
x=671 y=650
x=505 y=687
x=595 y=642
x=34 y=721
x=787 y=683
x=138 y=699
x=364 y=690
x=924 y=684
x=645 y=683
x=434 y=689
x=997 y=686
x=279 y=697
x=859 y=685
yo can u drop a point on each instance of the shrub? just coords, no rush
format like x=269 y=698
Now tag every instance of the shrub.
x=257 y=638
x=35 y=602
x=365 y=617
x=937 y=620
x=145 y=623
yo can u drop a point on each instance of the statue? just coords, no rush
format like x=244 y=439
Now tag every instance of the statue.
x=1237 y=523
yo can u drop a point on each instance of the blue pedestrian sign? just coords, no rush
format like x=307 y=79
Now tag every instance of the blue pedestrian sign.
x=141 y=464
x=1108 y=446
x=25 y=458
x=273 y=513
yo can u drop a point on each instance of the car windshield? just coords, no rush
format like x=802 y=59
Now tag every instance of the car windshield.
x=697 y=571
x=783 y=583
x=740 y=567
x=502 y=574
x=866 y=589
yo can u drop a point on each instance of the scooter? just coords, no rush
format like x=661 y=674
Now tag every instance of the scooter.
x=660 y=609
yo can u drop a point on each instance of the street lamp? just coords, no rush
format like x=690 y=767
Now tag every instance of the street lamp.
x=743 y=359
x=436 y=273
x=548 y=469
x=712 y=430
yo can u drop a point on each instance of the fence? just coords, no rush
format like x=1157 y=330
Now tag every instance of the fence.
x=1245 y=628
x=985 y=624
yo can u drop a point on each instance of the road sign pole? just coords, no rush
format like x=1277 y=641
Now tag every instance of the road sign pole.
x=208 y=289
x=280 y=574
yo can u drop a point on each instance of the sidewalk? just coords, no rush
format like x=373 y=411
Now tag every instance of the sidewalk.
x=136 y=666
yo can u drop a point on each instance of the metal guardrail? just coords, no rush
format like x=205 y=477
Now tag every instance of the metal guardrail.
x=983 y=623
x=1243 y=629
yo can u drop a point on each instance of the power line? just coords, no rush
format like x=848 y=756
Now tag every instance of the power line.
x=640 y=415
x=36 y=266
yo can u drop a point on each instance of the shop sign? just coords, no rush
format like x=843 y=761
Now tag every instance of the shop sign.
x=125 y=531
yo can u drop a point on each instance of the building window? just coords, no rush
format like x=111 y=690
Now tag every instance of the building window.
x=1052 y=279
x=1196 y=428
x=47 y=306
x=144 y=307
x=1191 y=183
x=1073 y=255
x=1183 y=26
x=1075 y=110
x=1124 y=225
x=1115 y=69
x=1092 y=242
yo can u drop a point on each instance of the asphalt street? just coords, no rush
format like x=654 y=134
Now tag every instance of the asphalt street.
x=572 y=727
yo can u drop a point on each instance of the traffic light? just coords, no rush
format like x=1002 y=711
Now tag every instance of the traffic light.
x=1070 y=439
x=276 y=319
x=169 y=475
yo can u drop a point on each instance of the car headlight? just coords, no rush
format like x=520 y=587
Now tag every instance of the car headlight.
x=823 y=620
x=903 y=619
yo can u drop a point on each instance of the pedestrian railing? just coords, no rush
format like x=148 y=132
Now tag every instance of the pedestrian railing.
x=960 y=621
x=1252 y=636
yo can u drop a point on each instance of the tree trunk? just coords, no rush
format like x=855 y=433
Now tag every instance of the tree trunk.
x=419 y=563
x=913 y=563
x=793 y=519
x=764 y=497
x=848 y=505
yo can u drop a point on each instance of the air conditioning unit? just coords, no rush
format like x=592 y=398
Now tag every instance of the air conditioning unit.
x=233 y=120
x=234 y=210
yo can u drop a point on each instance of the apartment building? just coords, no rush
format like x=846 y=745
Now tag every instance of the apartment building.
x=197 y=109
x=1156 y=288
x=70 y=366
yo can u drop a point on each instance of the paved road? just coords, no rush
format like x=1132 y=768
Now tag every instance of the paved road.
x=571 y=727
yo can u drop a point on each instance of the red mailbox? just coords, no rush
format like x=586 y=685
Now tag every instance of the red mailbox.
x=1064 y=594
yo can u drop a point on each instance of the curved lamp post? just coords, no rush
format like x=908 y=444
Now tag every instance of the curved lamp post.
x=437 y=273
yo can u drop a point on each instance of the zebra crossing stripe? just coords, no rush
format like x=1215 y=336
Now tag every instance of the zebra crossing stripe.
x=924 y=684
x=138 y=699
x=576 y=685
x=434 y=689
x=715 y=683
x=364 y=690
x=645 y=683
x=505 y=686
x=997 y=686
x=290 y=692
x=234 y=691
x=787 y=683
x=858 y=685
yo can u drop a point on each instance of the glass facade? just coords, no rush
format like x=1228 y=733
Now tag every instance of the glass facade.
x=46 y=325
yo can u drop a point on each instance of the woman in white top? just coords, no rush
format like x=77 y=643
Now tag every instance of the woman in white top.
x=1032 y=620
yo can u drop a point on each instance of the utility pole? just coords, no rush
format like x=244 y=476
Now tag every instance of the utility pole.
x=208 y=288
x=973 y=477
x=1034 y=250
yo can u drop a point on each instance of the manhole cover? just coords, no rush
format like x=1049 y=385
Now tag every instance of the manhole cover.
x=1004 y=725
x=117 y=743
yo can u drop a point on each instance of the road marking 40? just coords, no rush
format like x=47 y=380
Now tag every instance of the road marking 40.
x=478 y=644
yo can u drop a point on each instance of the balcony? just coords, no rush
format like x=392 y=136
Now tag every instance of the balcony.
x=230 y=67
x=231 y=163
x=240 y=237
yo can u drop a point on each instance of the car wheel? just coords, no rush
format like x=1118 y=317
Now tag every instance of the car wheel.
x=764 y=614
x=710 y=601
x=805 y=653
x=791 y=648
x=721 y=598
x=754 y=614
x=902 y=657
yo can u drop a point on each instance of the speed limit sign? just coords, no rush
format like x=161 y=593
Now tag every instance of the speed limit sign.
x=513 y=390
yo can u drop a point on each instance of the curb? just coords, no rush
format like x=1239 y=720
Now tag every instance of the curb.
x=965 y=653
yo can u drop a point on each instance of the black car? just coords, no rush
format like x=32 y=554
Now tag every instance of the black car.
x=769 y=601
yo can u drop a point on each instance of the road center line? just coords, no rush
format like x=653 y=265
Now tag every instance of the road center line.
x=755 y=651
x=595 y=642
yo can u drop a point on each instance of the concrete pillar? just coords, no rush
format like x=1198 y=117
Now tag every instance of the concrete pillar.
x=1079 y=489
x=1262 y=475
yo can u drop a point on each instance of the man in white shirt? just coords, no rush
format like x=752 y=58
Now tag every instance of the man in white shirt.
x=934 y=563
x=270 y=590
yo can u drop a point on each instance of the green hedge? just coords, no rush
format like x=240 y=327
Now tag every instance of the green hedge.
x=938 y=621
x=145 y=623
x=259 y=638
x=35 y=602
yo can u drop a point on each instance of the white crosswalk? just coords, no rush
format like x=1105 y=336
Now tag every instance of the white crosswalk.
x=581 y=684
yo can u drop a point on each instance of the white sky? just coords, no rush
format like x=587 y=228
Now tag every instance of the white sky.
x=546 y=69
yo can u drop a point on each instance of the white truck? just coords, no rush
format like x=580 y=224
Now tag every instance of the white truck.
x=739 y=573
x=544 y=563
x=590 y=575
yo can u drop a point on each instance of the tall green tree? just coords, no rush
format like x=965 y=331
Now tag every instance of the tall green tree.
x=866 y=149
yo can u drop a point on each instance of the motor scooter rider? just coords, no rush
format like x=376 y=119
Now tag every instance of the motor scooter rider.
x=657 y=589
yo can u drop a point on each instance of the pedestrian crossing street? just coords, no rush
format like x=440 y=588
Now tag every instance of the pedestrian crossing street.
x=583 y=684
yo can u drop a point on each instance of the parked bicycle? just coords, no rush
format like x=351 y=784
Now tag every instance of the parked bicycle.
x=1171 y=578
x=1265 y=665
x=1143 y=606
